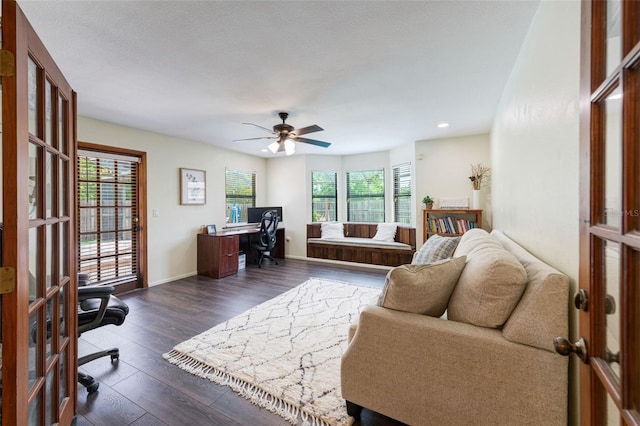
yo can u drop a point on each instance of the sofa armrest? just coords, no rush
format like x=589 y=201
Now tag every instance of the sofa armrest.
x=412 y=367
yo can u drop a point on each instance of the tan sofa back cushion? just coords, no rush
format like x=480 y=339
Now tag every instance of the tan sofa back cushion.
x=542 y=312
x=490 y=285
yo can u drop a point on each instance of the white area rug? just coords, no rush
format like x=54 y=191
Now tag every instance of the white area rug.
x=284 y=354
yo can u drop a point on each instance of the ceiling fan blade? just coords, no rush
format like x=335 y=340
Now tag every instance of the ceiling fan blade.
x=313 y=142
x=308 y=129
x=263 y=128
x=253 y=139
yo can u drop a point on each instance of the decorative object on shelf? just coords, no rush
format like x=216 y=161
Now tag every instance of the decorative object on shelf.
x=211 y=229
x=479 y=174
x=193 y=186
x=428 y=202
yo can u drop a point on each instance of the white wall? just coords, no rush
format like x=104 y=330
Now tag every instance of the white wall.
x=443 y=167
x=287 y=187
x=534 y=146
x=172 y=236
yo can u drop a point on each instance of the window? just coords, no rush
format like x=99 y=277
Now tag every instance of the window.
x=324 y=196
x=365 y=196
x=402 y=193
x=240 y=193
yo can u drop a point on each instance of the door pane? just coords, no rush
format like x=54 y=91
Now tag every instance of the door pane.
x=613 y=415
x=35 y=416
x=613 y=159
x=62 y=188
x=48 y=114
x=32 y=88
x=34 y=337
x=50 y=246
x=612 y=280
x=49 y=180
x=63 y=145
x=34 y=273
x=34 y=178
x=614 y=43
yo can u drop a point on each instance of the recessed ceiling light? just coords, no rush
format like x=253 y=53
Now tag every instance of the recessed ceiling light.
x=264 y=150
x=443 y=125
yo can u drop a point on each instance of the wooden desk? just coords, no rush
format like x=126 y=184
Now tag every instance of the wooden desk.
x=218 y=253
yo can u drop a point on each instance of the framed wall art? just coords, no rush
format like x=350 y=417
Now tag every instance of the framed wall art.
x=193 y=190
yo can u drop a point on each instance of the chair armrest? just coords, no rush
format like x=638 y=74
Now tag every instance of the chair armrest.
x=95 y=292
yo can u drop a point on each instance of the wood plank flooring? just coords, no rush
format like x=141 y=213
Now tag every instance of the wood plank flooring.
x=144 y=389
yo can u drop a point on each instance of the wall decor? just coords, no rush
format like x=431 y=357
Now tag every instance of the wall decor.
x=193 y=189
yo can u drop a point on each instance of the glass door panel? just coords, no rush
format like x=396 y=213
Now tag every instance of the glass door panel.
x=614 y=41
x=612 y=280
x=613 y=159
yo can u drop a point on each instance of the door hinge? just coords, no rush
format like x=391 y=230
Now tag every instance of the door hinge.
x=7 y=279
x=7 y=63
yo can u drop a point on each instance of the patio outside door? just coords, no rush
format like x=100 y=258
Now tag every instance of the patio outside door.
x=38 y=150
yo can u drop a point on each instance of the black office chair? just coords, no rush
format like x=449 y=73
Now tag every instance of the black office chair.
x=96 y=308
x=267 y=236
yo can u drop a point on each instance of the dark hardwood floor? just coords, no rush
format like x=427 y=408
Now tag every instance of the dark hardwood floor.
x=144 y=389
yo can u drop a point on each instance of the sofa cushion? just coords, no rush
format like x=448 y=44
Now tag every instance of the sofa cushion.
x=421 y=289
x=386 y=232
x=434 y=249
x=541 y=313
x=490 y=285
x=331 y=230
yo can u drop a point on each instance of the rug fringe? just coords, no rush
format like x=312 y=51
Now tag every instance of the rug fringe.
x=254 y=394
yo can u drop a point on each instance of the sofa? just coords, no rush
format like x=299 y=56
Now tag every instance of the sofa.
x=474 y=365
x=357 y=242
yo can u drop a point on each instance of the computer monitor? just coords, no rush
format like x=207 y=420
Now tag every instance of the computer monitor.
x=254 y=214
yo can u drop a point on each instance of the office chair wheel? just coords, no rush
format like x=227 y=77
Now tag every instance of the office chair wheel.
x=93 y=388
x=88 y=382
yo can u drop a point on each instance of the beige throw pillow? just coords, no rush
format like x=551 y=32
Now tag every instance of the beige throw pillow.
x=421 y=289
x=489 y=287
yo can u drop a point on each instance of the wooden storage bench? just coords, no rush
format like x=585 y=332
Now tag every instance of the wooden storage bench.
x=358 y=245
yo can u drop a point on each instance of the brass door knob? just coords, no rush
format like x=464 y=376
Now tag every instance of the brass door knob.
x=564 y=347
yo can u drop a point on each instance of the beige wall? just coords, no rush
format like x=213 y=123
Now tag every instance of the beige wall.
x=172 y=235
x=443 y=167
x=534 y=146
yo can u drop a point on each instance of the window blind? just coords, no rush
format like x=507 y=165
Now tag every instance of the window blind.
x=402 y=193
x=365 y=196
x=240 y=194
x=324 y=196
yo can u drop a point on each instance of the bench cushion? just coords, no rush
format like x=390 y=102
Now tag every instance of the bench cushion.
x=360 y=242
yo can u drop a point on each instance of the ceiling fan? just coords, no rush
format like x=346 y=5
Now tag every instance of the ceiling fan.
x=285 y=135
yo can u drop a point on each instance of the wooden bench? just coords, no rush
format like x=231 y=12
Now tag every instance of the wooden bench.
x=361 y=253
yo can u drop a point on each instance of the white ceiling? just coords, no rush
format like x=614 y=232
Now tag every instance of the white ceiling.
x=373 y=74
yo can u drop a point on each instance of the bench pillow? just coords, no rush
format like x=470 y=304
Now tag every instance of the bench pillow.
x=331 y=230
x=421 y=289
x=386 y=232
x=434 y=249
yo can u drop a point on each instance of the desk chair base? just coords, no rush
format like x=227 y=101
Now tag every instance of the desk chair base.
x=262 y=256
x=86 y=380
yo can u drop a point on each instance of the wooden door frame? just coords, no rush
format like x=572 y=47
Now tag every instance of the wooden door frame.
x=143 y=277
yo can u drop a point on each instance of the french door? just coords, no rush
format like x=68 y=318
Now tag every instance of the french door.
x=111 y=215
x=39 y=315
x=609 y=277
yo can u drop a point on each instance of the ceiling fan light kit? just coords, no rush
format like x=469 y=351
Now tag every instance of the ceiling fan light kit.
x=287 y=135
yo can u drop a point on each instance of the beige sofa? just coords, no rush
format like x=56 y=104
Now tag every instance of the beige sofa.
x=423 y=370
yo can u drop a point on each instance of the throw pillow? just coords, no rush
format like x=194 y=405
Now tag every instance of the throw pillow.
x=489 y=287
x=331 y=230
x=421 y=289
x=436 y=248
x=386 y=232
